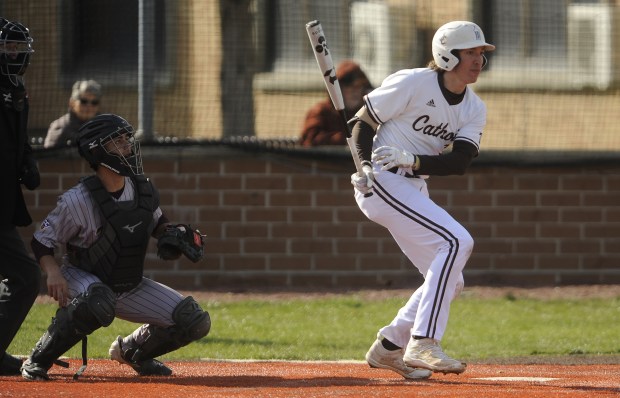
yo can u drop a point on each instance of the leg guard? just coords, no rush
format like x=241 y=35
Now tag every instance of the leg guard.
x=191 y=324
x=85 y=313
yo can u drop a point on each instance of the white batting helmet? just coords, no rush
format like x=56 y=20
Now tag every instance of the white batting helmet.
x=456 y=35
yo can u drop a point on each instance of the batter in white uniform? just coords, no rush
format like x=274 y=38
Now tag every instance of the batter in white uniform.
x=402 y=134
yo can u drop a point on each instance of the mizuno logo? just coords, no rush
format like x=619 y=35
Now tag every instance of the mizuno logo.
x=7 y=97
x=132 y=227
x=431 y=103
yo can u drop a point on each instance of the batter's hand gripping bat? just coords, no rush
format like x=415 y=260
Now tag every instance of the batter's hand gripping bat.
x=326 y=65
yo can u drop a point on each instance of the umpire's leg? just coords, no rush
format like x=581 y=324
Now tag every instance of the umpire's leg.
x=20 y=285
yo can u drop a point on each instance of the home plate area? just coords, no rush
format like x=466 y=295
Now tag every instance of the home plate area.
x=213 y=378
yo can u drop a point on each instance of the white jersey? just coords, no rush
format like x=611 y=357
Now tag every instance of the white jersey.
x=415 y=116
x=76 y=220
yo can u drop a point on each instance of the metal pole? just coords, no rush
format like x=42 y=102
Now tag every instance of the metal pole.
x=146 y=68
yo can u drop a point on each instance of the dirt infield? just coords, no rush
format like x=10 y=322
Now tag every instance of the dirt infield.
x=105 y=378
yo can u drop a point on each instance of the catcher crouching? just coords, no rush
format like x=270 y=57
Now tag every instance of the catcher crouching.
x=105 y=223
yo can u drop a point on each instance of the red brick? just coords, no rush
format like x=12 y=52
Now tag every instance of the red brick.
x=255 y=245
x=537 y=182
x=582 y=214
x=473 y=198
x=347 y=230
x=299 y=262
x=372 y=230
x=245 y=230
x=494 y=215
x=509 y=230
x=559 y=199
x=595 y=262
x=492 y=182
x=350 y=214
x=563 y=230
x=578 y=246
x=606 y=230
x=500 y=246
x=514 y=262
x=196 y=198
x=243 y=198
x=449 y=183
x=299 y=246
x=215 y=183
x=601 y=199
x=611 y=246
x=243 y=166
x=245 y=263
x=335 y=263
x=311 y=215
x=314 y=183
x=515 y=199
x=356 y=246
x=537 y=214
x=393 y=262
x=327 y=199
x=290 y=199
x=267 y=182
x=266 y=214
x=557 y=262
x=535 y=246
x=296 y=230
x=581 y=183
x=220 y=214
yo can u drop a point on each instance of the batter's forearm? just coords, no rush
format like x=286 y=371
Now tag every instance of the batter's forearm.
x=452 y=163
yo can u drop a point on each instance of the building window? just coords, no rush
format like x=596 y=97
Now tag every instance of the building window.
x=528 y=32
x=100 y=40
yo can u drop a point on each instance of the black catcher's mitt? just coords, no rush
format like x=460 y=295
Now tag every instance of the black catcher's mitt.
x=180 y=239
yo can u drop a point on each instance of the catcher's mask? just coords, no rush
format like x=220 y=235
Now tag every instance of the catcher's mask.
x=15 y=50
x=454 y=36
x=108 y=140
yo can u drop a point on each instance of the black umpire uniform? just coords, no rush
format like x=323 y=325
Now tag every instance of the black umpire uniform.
x=20 y=275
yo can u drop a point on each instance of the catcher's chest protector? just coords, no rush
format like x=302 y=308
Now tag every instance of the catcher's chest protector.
x=117 y=256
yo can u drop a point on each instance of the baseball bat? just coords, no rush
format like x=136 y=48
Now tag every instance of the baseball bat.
x=323 y=56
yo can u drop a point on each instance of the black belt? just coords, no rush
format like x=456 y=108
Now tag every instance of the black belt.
x=406 y=174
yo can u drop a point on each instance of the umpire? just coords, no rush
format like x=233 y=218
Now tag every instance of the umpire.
x=20 y=274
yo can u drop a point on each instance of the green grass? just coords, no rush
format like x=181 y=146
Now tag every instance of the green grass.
x=344 y=326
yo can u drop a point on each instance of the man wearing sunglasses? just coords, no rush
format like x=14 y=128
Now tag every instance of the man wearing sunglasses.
x=83 y=106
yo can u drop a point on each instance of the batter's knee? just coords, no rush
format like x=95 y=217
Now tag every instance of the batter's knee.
x=466 y=243
x=460 y=284
x=191 y=319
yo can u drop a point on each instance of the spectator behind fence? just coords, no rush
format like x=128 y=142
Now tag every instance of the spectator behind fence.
x=83 y=106
x=323 y=125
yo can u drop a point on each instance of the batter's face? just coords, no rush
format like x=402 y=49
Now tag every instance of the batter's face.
x=470 y=65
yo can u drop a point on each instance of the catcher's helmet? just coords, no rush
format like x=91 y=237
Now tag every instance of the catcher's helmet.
x=108 y=140
x=456 y=35
x=15 y=50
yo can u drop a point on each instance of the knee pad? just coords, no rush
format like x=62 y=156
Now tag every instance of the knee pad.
x=93 y=309
x=86 y=313
x=191 y=320
x=190 y=324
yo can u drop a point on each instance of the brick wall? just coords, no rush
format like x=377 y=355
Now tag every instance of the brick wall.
x=287 y=220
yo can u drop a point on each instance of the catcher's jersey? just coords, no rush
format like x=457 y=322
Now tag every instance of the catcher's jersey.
x=77 y=220
x=415 y=116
